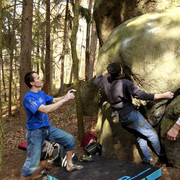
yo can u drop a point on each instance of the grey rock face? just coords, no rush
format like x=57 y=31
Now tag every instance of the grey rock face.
x=148 y=49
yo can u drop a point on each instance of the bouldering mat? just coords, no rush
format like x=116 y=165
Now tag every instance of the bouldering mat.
x=108 y=169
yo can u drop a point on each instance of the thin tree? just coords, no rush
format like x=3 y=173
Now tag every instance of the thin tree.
x=1 y=125
x=71 y=75
x=26 y=46
x=87 y=60
x=79 y=109
x=38 y=38
x=12 y=44
x=47 y=86
x=93 y=48
x=3 y=81
x=16 y=74
x=64 y=46
x=42 y=54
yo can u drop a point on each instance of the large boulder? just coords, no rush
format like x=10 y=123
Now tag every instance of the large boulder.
x=148 y=49
x=109 y=14
x=114 y=138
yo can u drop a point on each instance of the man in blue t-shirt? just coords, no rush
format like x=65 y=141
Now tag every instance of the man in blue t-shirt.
x=37 y=105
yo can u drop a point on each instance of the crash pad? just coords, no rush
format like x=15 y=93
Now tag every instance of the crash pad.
x=108 y=169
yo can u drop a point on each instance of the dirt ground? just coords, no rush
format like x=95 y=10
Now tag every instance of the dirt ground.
x=64 y=118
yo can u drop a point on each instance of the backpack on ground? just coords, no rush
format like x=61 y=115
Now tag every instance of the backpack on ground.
x=93 y=148
x=87 y=139
x=90 y=144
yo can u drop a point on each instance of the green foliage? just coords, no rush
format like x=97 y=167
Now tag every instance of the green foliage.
x=57 y=20
x=174 y=3
x=7 y=19
x=57 y=1
x=84 y=12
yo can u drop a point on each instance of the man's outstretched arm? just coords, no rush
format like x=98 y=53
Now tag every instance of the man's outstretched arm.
x=166 y=95
x=57 y=103
x=62 y=97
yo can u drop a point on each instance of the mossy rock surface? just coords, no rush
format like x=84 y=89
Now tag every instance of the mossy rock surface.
x=148 y=47
x=90 y=99
x=171 y=115
x=116 y=141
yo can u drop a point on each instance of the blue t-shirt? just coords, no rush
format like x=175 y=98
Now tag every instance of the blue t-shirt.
x=32 y=101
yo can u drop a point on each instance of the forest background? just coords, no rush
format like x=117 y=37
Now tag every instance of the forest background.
x=40 y=35
x=55 y=38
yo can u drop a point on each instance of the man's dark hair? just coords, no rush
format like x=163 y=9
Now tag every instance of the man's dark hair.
x=29 y=78
x=114 y=69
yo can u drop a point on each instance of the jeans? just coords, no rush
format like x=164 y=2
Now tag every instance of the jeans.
x=35 y=140
x=135 y=123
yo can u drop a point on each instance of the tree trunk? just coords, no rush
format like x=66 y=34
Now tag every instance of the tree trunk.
x=64 y=46
x=16 y=74
x=87 y=44
x=42 y=56
x=12 y=44
x=76 y=72
x=47 y=86
x=1 y=125
x=71 y=75
x=3 y=81
x=26 y=45
x=38 y=56
x=93 y=48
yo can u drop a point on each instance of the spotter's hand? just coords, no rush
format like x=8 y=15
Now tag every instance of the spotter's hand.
x=70 y=94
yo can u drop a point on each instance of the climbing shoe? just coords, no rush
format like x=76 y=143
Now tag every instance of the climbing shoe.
x=86 y=158
x=149 y=162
